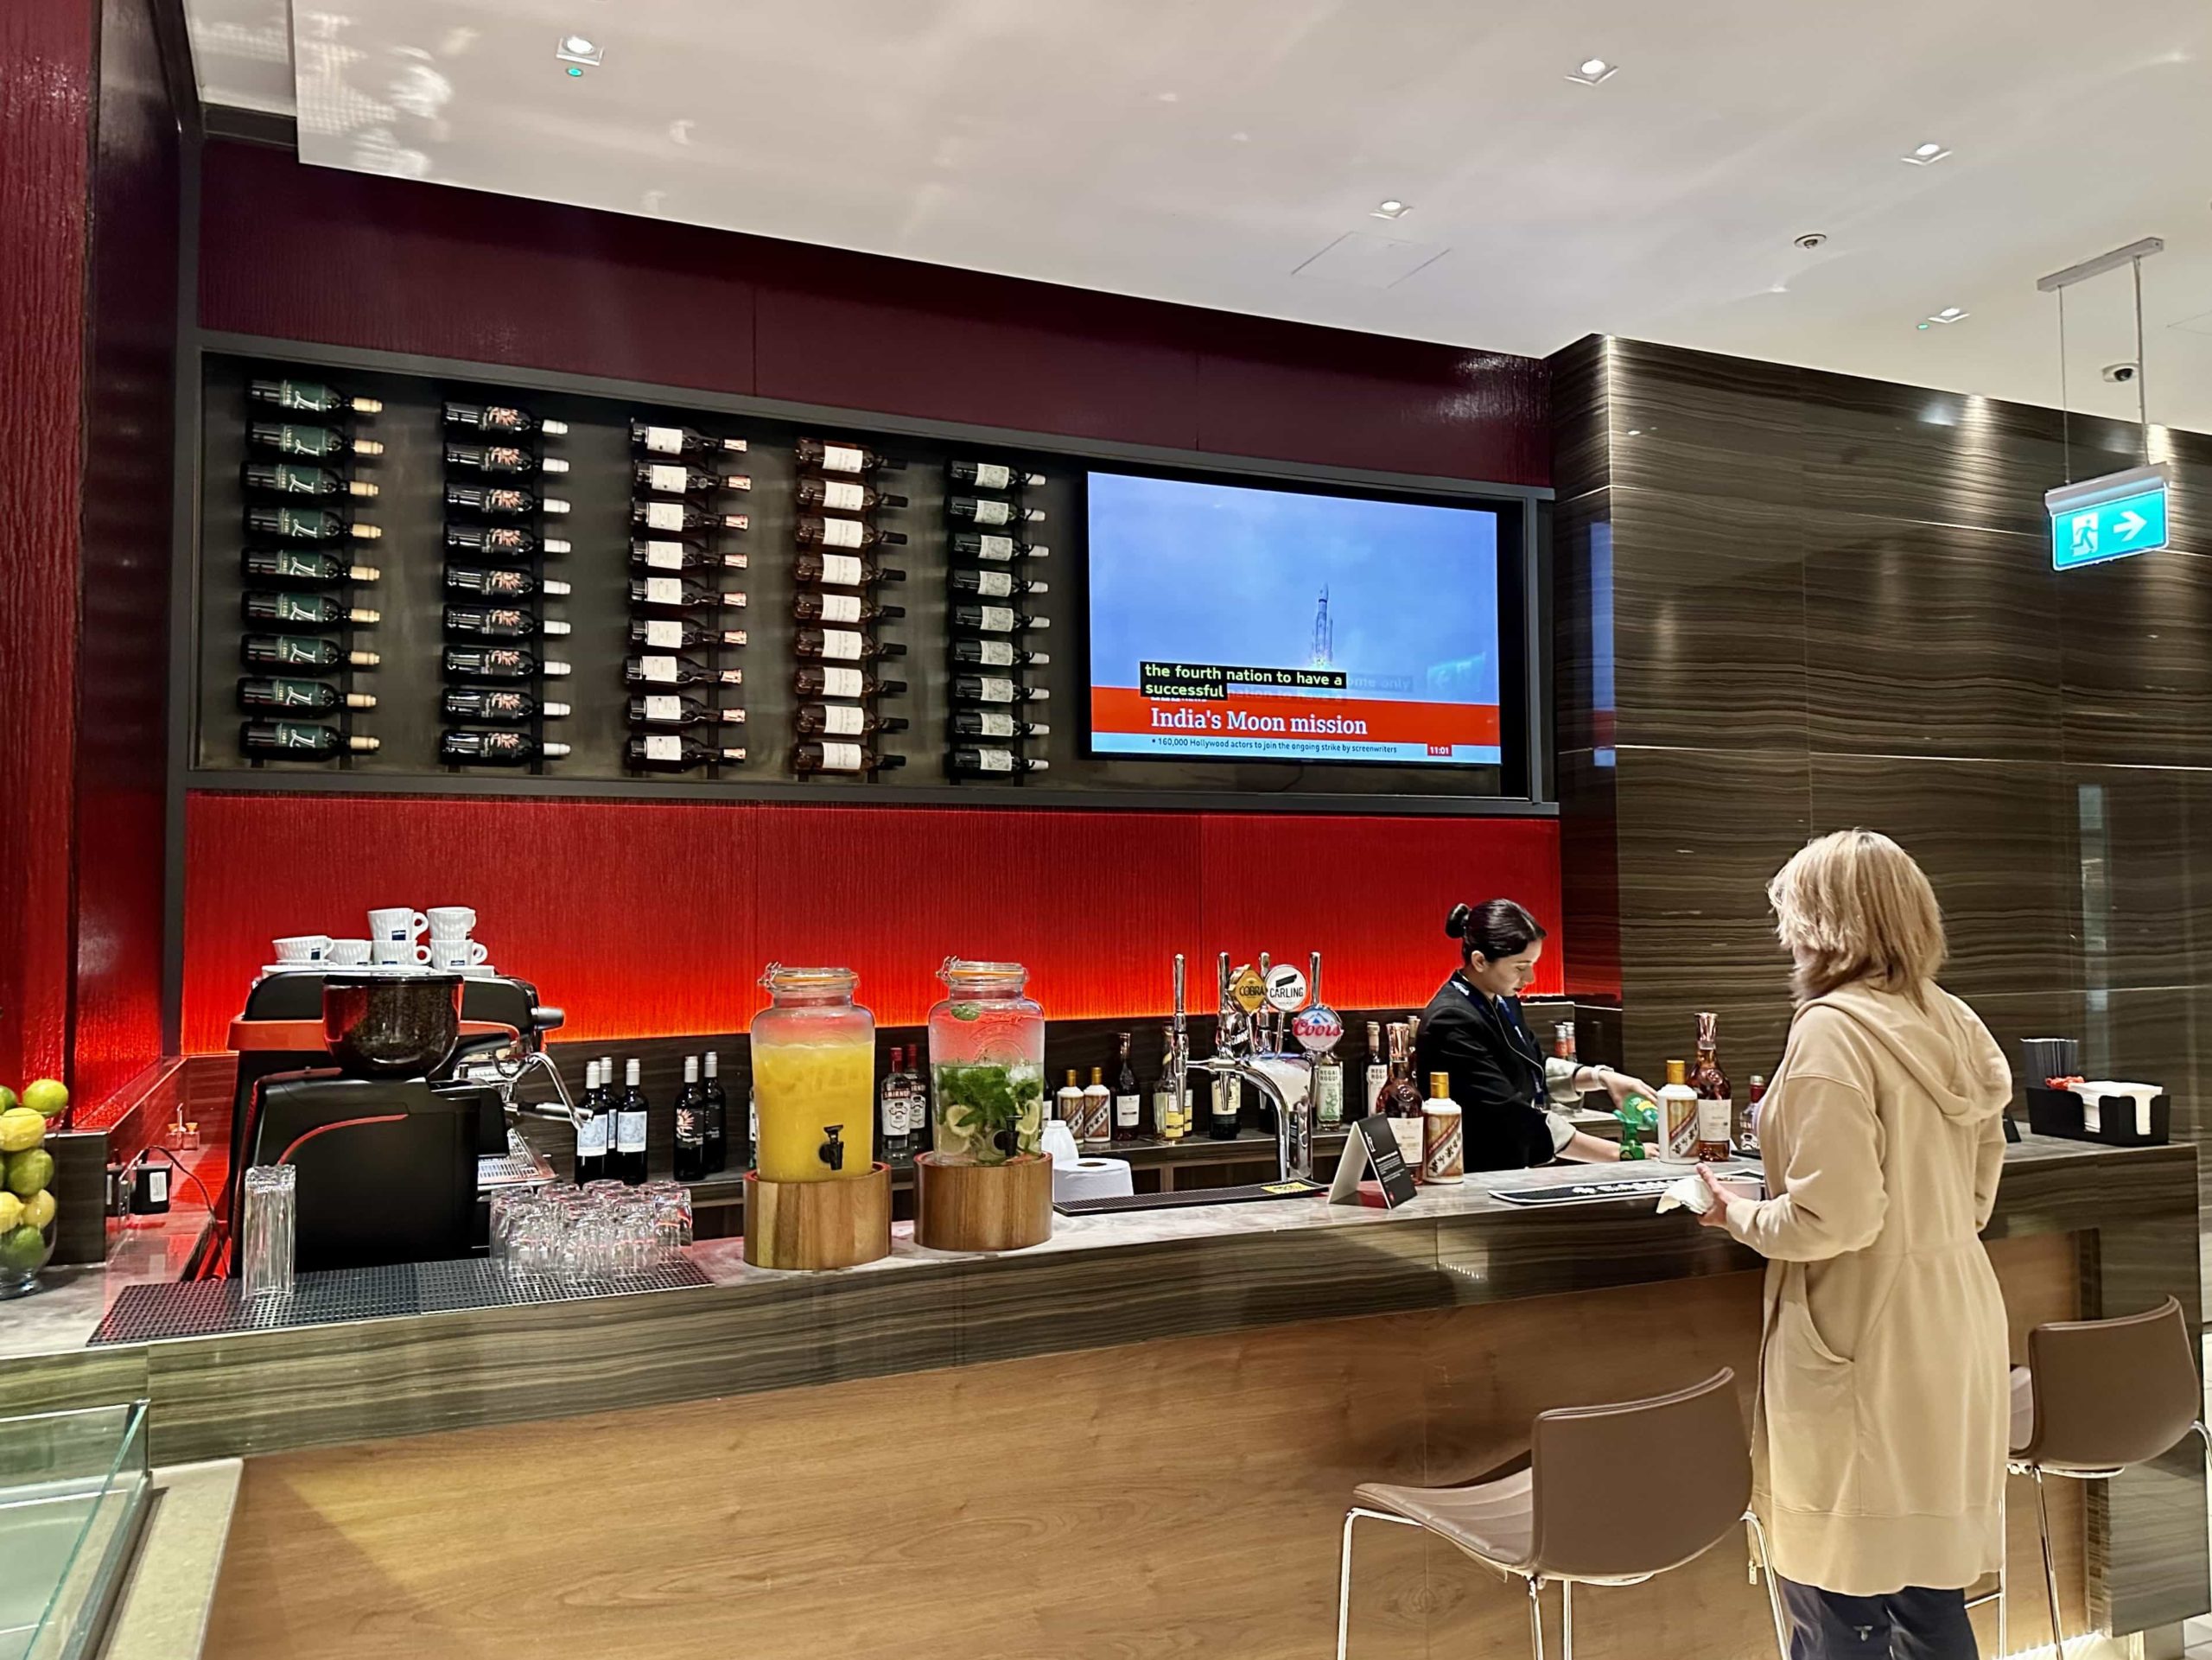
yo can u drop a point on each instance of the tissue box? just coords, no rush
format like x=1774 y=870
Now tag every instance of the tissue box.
x=2058 y=1112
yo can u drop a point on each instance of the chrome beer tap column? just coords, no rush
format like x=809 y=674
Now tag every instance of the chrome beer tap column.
x=1245 y=1051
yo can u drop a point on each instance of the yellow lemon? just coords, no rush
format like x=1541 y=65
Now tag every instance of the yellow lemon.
x=38 y=1209
x=21 y=1129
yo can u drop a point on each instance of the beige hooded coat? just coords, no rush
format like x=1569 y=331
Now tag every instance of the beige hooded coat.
x=1879 y=1439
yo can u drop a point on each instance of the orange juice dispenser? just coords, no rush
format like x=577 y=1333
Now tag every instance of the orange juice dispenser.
x=817 y=1197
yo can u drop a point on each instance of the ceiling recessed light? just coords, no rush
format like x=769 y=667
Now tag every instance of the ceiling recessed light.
x=1392 y=209
x=1948 y=314
x=1590 y=71
x=577 y=44
x=1925 y=155
x=579 y=49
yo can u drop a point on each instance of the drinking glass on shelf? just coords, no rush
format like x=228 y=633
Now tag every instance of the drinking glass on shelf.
x=265 y=1253
x=672 y=1226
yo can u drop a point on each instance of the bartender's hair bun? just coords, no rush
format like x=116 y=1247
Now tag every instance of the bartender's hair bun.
x=1493 y=929
x=1455 y=925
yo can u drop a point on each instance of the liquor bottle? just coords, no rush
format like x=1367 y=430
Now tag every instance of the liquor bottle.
x=843 y=721
x=668 y=553
x=302 y=651
x=918 y=1101
x=821 y=680
x=308 y=443
x=501 y=622
x=680 y=441
x=510 y=539
x=497 y=663
x=627 y=1164
x=842 y=496
x=1563 y=1041
x=501 y=500
x=291 y=478
x=997 y=548
x=1378 y=1071
x=678 y=593
x=691 y=1125
x=460 y=747
x=1328 y=1089
x=679 y=634
x=674 y=478
x=314 y=695
x=297 y=741
x=990 y=510
x=674 y=710
x=1401 y=1101
x=1443 y=1141
x=750 y=1145
x=994 y=584
x=682 y=516
x=501 y=460
x=499 y=417
x=308 y=398
x=308 y=524
x=717 y=1106
x=839 y=458
x=994 y=723
x=994 y=689
x=995 y=619
x=673 y=750
x=1677 y=1138
x=662 y=669
x=1747 y=1141
x=1716 y=1111
x=843 y=571
x=843 y=645
x=501 y=581
x=1097 y=1112
x=591 y=1130
x=1167 y=1122
x=895 y=1130
x=841 y=758
x=310 y=610
x=982 y=762
x=1067 y=1105
x=1128 y=1097
x=844 y=610
x=494 y=703
x=992 y=653
x=991 y=475
x=812 y=532
x=1224 y=1104
x=314 y=566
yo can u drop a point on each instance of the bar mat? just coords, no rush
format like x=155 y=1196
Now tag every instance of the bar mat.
x=145 y=1313
x=1116 y=1203
x=1591 y=1192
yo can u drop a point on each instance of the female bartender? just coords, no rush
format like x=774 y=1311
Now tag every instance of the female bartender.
x=1508 y=1089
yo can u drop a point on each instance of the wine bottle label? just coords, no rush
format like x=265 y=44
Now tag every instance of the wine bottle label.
x=664 y=441
x=894 y=1115
x=990 y=476
x=844 y=720
x=993 y=689
x=286 y=735
x=305 y=441
x=664 y=555
x=506 y=458
x=305 y=395
x=843 y=644
x=994 y=547
x=506 y=582
x=308 y=523
x=844 y=682
x=663 y=590
x=993 y=584
x=507 y=539
x=1407 y=1133
x=291 y=649
x=994 y=619
x=993 y=760
x=843 y=569
x=300 y=481
x=994 y=723
x=506 y=501
x=842 y=458
x=291 y=609
x=663 y=634
x=665 y=515
x=841 y=608
x=663 y=745
x=659 y=670
x=993 y=512
x=672 y=480
x=591 y=1137
x=690 y=1127
x=1164 y=1115
x=629 y=1132
x=994 y=653
x=663 y=707
x=303 y=567
x=842 y=758
x=506 y=705
x=1377 y=1077
x=1329 y=1096
x=1127 y=1110
x=844 y=533
x=293 y=694
x=840 y=497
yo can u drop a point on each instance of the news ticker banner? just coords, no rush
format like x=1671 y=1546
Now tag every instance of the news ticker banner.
x=1214 y=708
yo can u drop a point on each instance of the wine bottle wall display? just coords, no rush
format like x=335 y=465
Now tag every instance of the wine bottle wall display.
x=995 y=619
x=688 y=610
x=845 y=611
x=500 y=644
x=306 y=558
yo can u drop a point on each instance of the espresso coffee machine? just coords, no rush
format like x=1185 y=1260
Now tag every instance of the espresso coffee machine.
x=389 y=1096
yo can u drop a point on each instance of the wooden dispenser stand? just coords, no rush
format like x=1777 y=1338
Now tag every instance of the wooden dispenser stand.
x=982 y=1206
x=816 y=1225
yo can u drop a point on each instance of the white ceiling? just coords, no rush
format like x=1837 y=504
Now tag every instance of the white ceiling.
x=1220 y=152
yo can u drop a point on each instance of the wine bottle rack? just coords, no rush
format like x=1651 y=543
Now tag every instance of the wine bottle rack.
x=690 y=611
x=997 y=639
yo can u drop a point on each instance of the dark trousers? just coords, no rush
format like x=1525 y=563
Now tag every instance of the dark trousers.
x=1907 y=1624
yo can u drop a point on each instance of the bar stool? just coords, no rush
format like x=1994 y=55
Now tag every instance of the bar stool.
x=1613 y=1495
x=2096 y=1398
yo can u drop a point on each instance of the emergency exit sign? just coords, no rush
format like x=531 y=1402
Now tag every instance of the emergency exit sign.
x=2108 y=517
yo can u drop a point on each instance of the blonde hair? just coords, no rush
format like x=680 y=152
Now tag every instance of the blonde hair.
x=1853 y=905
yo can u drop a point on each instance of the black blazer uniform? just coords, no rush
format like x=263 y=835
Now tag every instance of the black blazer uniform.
x=1497 y=1072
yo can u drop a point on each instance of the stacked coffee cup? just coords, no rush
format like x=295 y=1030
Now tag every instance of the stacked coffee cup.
x=452 y=951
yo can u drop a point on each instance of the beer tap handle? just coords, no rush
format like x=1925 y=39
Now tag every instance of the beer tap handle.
x=1312 y=978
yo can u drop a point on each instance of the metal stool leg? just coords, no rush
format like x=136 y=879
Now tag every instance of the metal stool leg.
x=2004 y=1566
x=1773 y=1591
x=2049 y=1562
x=1535 y=1617
x=1343 y=1573
x=1567 y=1619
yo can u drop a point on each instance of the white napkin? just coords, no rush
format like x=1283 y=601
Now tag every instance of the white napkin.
x=2093 y=1093
x=1690 y=1193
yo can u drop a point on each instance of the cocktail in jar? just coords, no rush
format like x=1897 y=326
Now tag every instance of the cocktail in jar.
x=986 y=1064
x=814 y=1077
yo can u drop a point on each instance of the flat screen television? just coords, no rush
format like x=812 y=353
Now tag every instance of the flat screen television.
x=1253 y=622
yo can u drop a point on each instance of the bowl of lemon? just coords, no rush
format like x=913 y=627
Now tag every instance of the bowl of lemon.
x=27 y=1183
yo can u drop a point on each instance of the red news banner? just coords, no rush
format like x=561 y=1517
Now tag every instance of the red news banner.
x=1216 y=700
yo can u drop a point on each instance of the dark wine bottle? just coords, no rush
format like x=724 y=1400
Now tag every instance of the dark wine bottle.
x=314 y=695
x=501 y=500
x=308 y=398
x=849 y=609
x=716 y=1102
x=592 y=1125
x=808 y=758
x=501 y=460
x=308 y=524
x=994 y=584
x=682 y=516
x=996 y=619
x=843 y=571
x=994 y=689
x=463 y=747
x=680 y=441
x=675 y=751
x=820 y=680
x=811 y=531
x=992 y=475
x=666 y=553
x=843 y=646
x=315 y=566
x=674 y=478
x=678 y=595
x=499 y=417
x=691 y=1125
x=679 y=634
x=831 y=457
x=302 y=651
x=497 y=703
x=501 y=622
x=674 y=710
x=988 y=652
x=309 y=443
x=994 y=723
x=990 y=510
x=499 y=663
x=509 y=539
x=842 y=496
x=312 y=610
x=627 y=1163
x=662 y=669
x=991 y=763
x=291 y=478
x=298 y=740
x=501 y=582
x=843 y=721
x=995 y=548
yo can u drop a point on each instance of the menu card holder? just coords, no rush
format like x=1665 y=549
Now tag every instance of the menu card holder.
x=1371 y=1161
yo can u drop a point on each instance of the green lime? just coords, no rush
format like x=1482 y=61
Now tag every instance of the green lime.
x=23 y=1250
x=49 y=1095
x=966 y=1011
x=9 y=1098
x=29 y=1172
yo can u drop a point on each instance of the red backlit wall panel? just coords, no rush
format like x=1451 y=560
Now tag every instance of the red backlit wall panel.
x=649 y=919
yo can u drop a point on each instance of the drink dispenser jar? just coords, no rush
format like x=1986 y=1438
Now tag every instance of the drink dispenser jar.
x=814 y=1077
x=986 y=1064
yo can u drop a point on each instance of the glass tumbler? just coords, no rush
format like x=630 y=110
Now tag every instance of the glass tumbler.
x=265 y=1246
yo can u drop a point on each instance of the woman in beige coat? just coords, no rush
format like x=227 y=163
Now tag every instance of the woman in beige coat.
x=1881 y=1425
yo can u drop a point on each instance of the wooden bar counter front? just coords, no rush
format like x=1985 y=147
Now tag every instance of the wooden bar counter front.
x=1136 y=1440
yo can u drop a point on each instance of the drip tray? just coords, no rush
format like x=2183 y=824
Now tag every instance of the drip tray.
x=1189 y=1196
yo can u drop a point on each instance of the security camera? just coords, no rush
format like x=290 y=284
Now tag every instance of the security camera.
x=2118 y=373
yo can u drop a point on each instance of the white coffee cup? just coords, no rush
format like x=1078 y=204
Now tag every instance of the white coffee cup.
x=451 y=921
x=303 y=948
x=349 y=953
x=392 y=934
x=452 y=955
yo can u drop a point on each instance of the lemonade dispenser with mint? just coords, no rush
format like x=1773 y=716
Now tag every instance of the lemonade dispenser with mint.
x=814 y=1077
x=986 y=1064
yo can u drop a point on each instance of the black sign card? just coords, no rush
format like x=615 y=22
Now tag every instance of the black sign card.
x=1372 y=1149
